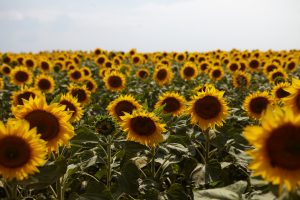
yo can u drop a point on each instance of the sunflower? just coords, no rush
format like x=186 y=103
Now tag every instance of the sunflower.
x=293 y=100
x=163 y=75
x=21 y=150
x=121 y=105
x=188 y=71
x=276 y=153
x=256 y=103
x=142 y=73
x=208 y=108
x=29 y=62
x=75 y=75
x=180 y=57
x=1 y=83
x=25 y=93
x=241 y=79
x=291 y=65
x=173 y=103
x=5 y=69
x=269 y=67
x=279 y=92
x=136 y=59
x=277 y=75
x=20 y=76
x=216 y=73
x=51 y=121
x=45 y=83
x=80 y=92
x=100 y=60
x=86 y=72
x=202 y=88
x=254 y=64
x=233 y=66
x=114 y=81
x=204 y=66
x=45 y=66
x=72 y=105
x=90 y=83
x=143 y=127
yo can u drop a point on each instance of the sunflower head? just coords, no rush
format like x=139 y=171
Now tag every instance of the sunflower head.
x=163 y=75
x=143 y=127
x=208 y=109
x=277 y=76
x=90 y=83
x=293 y=100
x=241 y=79
x=276 y=153
x=256 y=103
x=173 y=103
x=51 y=121
x=142 y=73
x=233 y=66
x=188 y=71
x=121 y=105
x=216 y=73
x=45 y=66
x=291 y=65
x=104 y=125
x=114 y=81
x=279 y=92
x=5 y=69
x=21 y=76
x=21 y=150
x=75 y=75
x=24 y=93
x=71 y=105
x=45 y=83
x=202 y=88
x=80 y=92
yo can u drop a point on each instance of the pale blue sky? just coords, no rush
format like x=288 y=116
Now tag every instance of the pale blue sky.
x=149 y=25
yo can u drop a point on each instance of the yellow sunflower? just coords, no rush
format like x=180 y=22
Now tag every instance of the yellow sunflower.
x=180 y=57
x=241 y=79
x=254 y=64
x=163 y=75
x=29 y=62
x=233 y=66
x=114 y=81
x=173 y=103
x=279 y=92
x=45 y=83
x=90 y=83
x=45 y=66
x=72 y=105
x=75 y=75
x=208 y=109
x=202 y=88
x=121 y=105
x=277 y=75
x=51 y=121
x=291 y=65
x=143 y=127
x=142 y=73
x=5 y=69
x=80 y=92
x=256 y=103
x=293 y=100
x=276 y=156
x=100 y=60
x=188 y=71
x=216 y=73
x=24 y=93
x=204 y=66
x=86 y=72
x=269 y=67
x=21 y=150
x=20 y=76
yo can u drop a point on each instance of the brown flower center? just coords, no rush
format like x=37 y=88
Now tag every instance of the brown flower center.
x=180 y=57
x=208 y=107
x=100 y=60
x=143 y=126
x=291 y=66
x=254 y=64
x=21 y=76
x=124 y=106
x=90 y=86
x=115 y=81
x=14 y=152
x=47 y=124
x=233 y=67
x=271 y=68
x=29 y=63
x=76 y=75
x=259 y=104
x=6 y=70
x=44 y=84
x=216 y=73
x=281 y=93
x=283 y=147
x=143 y=74
x=204 y=66
x=80 y=94
x=26 y=96
x=189 y=71
x=162 y=74
x=276 y=75
x=45 y=66
x=172 y=104
x=69 y=106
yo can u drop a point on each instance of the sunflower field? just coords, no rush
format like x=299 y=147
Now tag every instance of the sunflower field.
x=109 y=125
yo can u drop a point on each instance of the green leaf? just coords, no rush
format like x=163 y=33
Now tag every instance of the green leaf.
x=176 y=192
x=47 y=176
x=231 y=192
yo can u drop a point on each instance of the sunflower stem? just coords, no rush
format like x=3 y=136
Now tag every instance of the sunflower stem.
x=207 y=145
x=153 y=162
x=108 y=162
x=59 y=189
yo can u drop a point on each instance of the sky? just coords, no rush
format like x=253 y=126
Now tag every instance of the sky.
x=149 y=25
